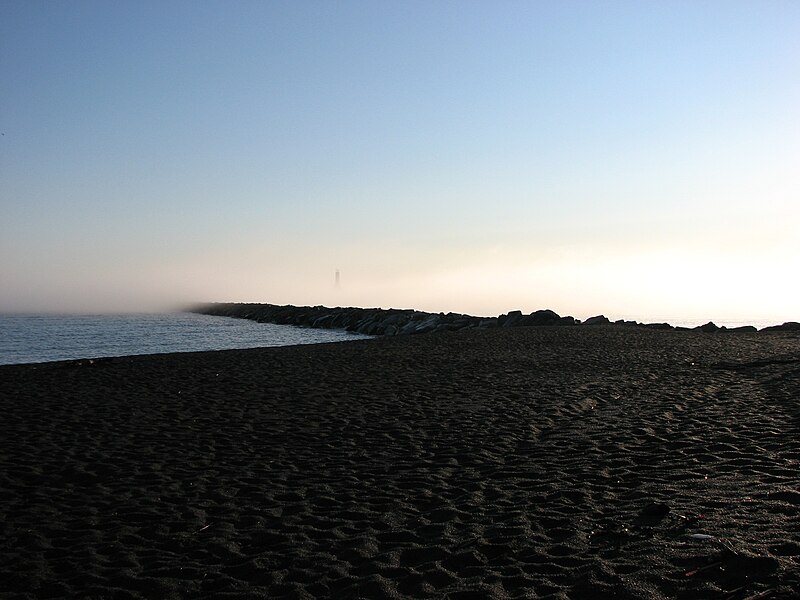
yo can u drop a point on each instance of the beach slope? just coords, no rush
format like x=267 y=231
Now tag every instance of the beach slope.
x=498 y=463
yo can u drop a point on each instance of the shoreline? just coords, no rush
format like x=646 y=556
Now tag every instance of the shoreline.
x=53 y=338
x=553 y=462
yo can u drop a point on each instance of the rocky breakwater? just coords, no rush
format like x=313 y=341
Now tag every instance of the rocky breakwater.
x=393 y=321
x=378 y=321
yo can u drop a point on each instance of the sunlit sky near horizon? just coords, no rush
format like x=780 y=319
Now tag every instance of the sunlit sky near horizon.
x=636 y=159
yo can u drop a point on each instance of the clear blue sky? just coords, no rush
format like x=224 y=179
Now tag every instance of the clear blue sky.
x=630 y=158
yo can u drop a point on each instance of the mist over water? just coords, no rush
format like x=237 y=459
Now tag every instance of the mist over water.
x=42 y=338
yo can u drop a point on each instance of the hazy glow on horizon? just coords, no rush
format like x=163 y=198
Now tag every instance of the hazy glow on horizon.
x=620 y=158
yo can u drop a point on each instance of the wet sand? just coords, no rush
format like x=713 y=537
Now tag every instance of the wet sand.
x=499 y=463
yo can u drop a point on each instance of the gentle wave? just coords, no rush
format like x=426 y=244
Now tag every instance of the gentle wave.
x=43 y=338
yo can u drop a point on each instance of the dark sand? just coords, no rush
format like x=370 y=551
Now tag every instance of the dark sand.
x=539 y=462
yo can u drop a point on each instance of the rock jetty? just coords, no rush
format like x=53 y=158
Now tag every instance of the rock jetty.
x=378 y=321
x=393 y=321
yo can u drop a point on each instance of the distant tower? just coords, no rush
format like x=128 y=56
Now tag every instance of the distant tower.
x=337 y=277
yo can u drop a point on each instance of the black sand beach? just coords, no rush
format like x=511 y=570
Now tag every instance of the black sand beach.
x=500 y=463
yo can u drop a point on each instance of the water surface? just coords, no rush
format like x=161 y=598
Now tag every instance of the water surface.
x=41 y=338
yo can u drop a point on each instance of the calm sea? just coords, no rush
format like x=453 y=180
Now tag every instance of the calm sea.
x=41 y=338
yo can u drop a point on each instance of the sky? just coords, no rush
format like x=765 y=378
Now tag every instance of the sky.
x=635 y=159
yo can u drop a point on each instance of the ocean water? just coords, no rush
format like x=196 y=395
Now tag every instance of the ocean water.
x=42 y=338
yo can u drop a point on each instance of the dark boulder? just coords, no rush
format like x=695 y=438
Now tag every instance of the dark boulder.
x=709 y=327
x=658 y=326
x=489 y=322
x=789 y=326
x=539 y=318
x=545 y=317
x=512 y=319
x=598 y=320
x=626 y=323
